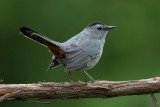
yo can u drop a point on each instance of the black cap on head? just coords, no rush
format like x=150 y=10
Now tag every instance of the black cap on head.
x=94 y=23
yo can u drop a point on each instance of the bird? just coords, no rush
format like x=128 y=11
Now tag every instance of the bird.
x=80 y=53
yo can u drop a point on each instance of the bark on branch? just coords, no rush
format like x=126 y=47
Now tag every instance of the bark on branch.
x=65 y=90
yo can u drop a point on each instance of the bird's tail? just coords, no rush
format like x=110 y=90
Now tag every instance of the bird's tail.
x=36 y=36
x=52 y=45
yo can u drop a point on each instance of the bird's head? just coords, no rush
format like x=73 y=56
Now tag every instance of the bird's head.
x=98 y=29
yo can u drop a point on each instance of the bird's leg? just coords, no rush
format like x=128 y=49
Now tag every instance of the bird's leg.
x=91 y=79
x=71 y=80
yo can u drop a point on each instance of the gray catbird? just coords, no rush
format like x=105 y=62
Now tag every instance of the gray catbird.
x=79 y=53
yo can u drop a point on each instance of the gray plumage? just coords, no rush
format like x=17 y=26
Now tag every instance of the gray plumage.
x=79 y=53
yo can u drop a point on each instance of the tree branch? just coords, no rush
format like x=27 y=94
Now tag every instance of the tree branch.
x=65 y=90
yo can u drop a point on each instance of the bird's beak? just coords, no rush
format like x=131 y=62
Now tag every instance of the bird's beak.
x=110 y=27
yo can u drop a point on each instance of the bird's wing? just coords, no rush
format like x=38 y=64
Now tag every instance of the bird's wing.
x=80 y=54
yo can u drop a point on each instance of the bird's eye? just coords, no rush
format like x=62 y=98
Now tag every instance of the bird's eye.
x=99 y=28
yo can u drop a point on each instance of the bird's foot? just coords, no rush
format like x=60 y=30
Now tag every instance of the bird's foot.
x=92 y=80
x=71 y=81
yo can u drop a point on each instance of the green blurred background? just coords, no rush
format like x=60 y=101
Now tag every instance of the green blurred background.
x=132 y=50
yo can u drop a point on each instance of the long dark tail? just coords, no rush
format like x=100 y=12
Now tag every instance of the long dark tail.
x=52 y=45
x=35 y=36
